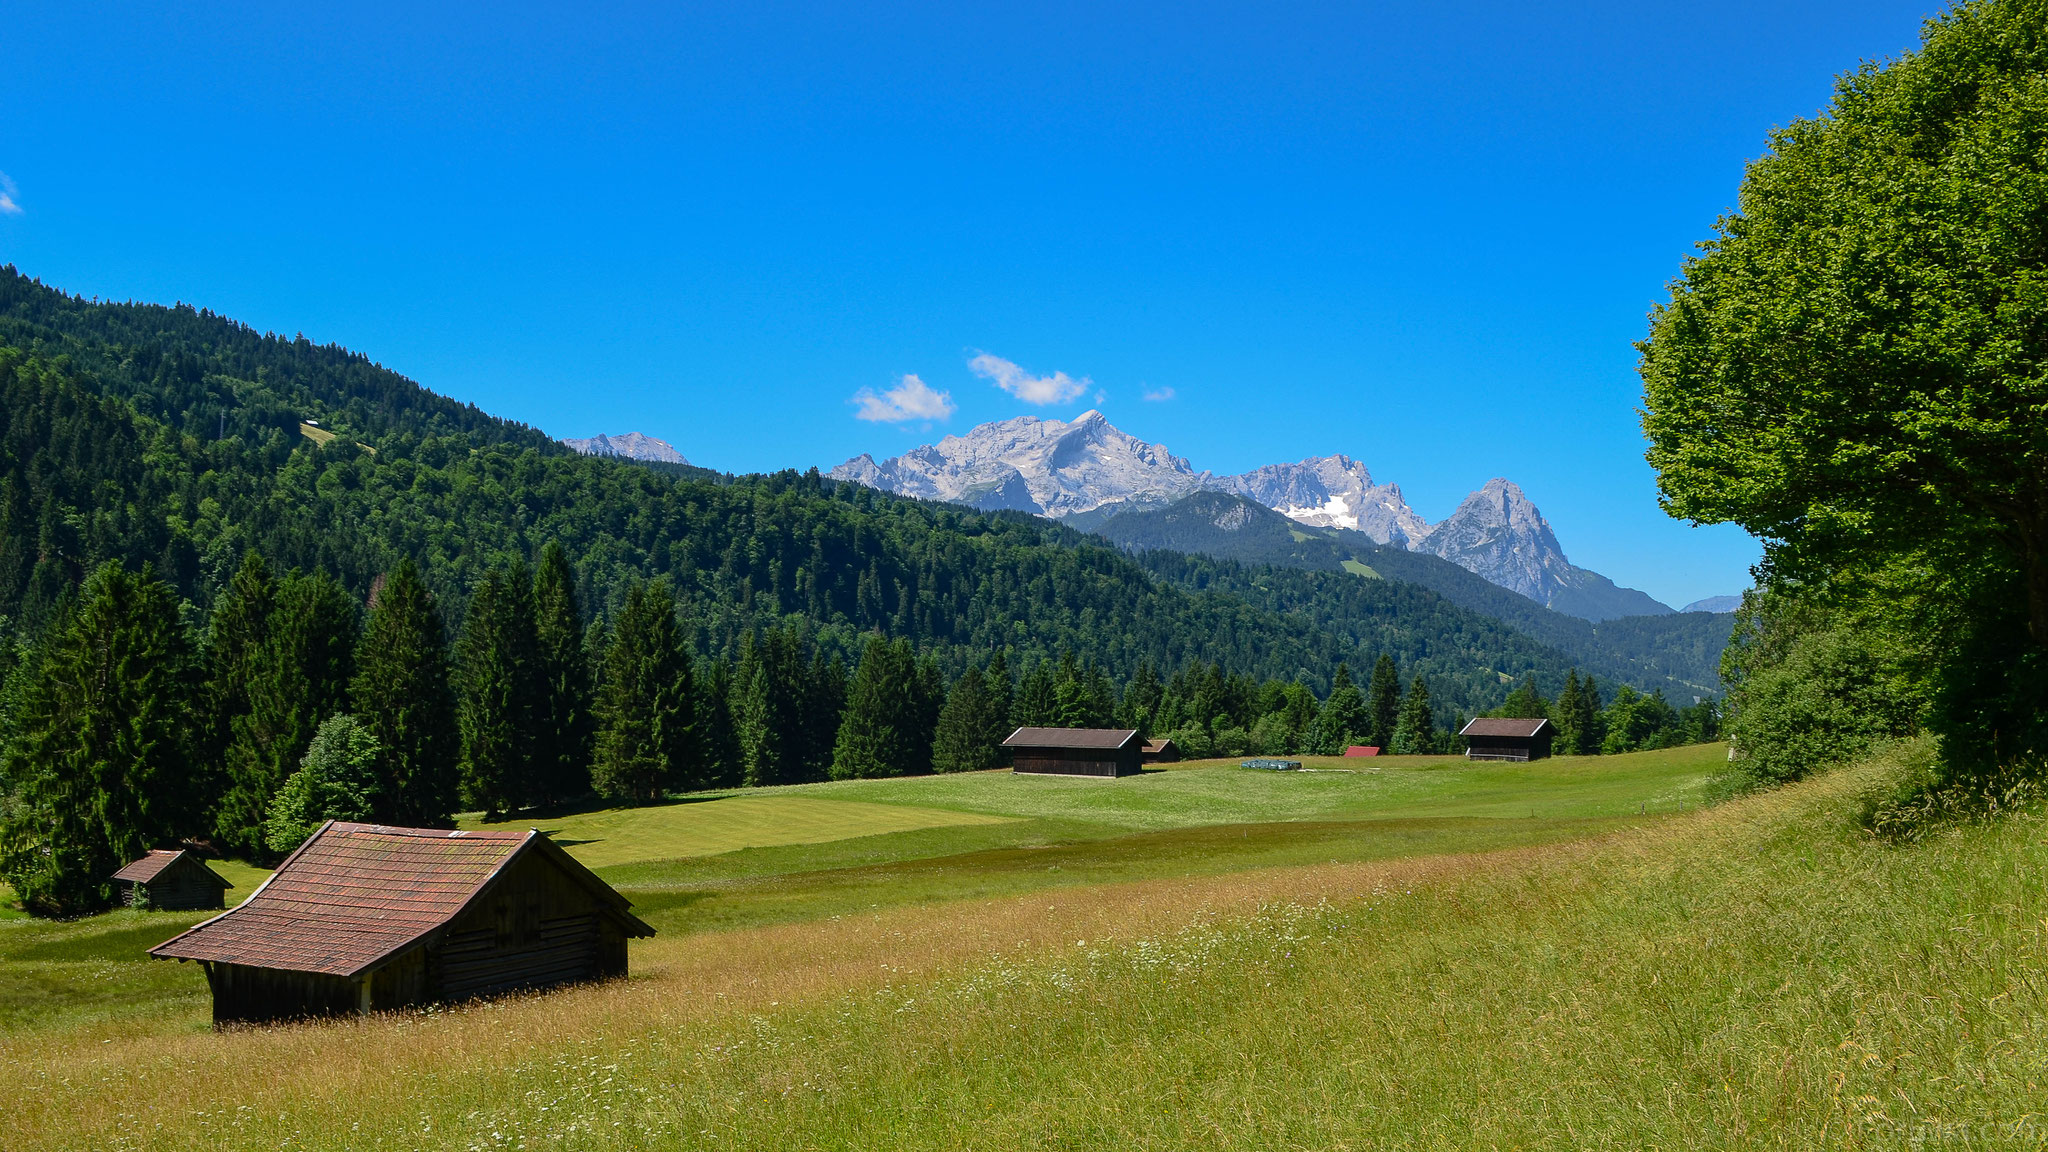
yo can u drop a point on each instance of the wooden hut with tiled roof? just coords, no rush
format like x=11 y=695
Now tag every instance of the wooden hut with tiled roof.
x=171 y=880
x=367 y=918
x=1107 y=752
x=1502 y=738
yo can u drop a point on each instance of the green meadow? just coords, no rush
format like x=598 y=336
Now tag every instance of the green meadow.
x=1567 y=954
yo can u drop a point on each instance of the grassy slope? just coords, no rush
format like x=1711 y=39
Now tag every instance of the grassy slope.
x=1754 y=975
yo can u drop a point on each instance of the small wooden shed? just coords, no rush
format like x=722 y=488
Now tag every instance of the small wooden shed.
x=1108 y=752
x=171 y=880
x=1500 y=738
x=1362 y=750
x=366 y=918
x=1160 y=751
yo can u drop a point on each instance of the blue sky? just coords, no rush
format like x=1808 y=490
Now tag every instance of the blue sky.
x=1425 y=235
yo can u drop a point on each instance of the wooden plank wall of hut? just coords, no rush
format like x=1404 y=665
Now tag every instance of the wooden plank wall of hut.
x=258 y=995
x=536 y=928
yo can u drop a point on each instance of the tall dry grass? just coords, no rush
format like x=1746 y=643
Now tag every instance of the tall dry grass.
x=1756 y=975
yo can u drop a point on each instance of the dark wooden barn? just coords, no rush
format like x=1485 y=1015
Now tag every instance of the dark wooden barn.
x=367 y=918
x=1160 y=752
x=1077 y=751
x=171 y=880
x=1496 y=738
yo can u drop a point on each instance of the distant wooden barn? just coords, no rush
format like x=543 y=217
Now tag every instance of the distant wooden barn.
x=171 y=880
x=366 y=918
x=1077 y=751
x=1498 y=738
x=1159 y=752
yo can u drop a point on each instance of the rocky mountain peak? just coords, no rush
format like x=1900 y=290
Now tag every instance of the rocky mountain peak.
x=1333 y=492
x=1056 y=468
x=631 y=445
x=1087 y=470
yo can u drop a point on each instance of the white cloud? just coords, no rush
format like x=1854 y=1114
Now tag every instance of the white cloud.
x=1158 y=395
x=8 y=205
x=913 y=399
x=1058 y=388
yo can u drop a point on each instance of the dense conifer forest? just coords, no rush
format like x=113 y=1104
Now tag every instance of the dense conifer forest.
x=498 y=623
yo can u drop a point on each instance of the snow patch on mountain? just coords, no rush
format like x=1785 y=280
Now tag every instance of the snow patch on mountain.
x=1333 y=492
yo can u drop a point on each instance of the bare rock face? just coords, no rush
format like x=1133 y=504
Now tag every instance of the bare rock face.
x=1088 y=472
x=631 y=445
x=1333 y=492
x=1497 y=533
x=1051 y=467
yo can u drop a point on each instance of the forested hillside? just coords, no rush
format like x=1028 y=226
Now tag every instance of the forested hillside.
x=172 y=436
x=1679 y=653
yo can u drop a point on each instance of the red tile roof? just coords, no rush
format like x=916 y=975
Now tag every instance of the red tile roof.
x=159 y=860
x=1502 y=726
x=354 y=895
x=1071 y=737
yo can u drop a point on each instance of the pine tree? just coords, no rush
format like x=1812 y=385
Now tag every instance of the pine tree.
x=1037 y=701
x=1139 y=707
x=562 y=758
x=644 y=705
x=1383 y=702
x=300 y=676
x=1589 y=719
x=1570 y=736
x=1415 y=735
x=1083 y=696
x=1342 y=718
x=1002 y=694
x=771 y=709
x=718 y=738
x=877 y=733
x=1525 y=702
x=825 y=701
x=101 y=743
x=503 y=697
x=236 y=634
x=961 y=743
x=402 y=693
x=927 y=700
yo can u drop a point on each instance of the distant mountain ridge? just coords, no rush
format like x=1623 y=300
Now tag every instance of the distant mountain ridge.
x=1088 y=472
x=1678 y=652
x=1050 y=467
x=631 y=445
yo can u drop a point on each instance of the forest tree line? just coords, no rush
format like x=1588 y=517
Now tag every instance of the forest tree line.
x=122 y=727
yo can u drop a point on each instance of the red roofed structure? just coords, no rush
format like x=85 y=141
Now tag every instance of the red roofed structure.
x=365 y=917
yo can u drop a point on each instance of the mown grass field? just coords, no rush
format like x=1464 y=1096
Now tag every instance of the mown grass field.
x=1759 y=974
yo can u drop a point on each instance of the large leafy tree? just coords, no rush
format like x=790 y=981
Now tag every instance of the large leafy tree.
x=401 y=693
x=1855 y=368
x=337 y=780
x=101 y=743
x=1342 y=719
